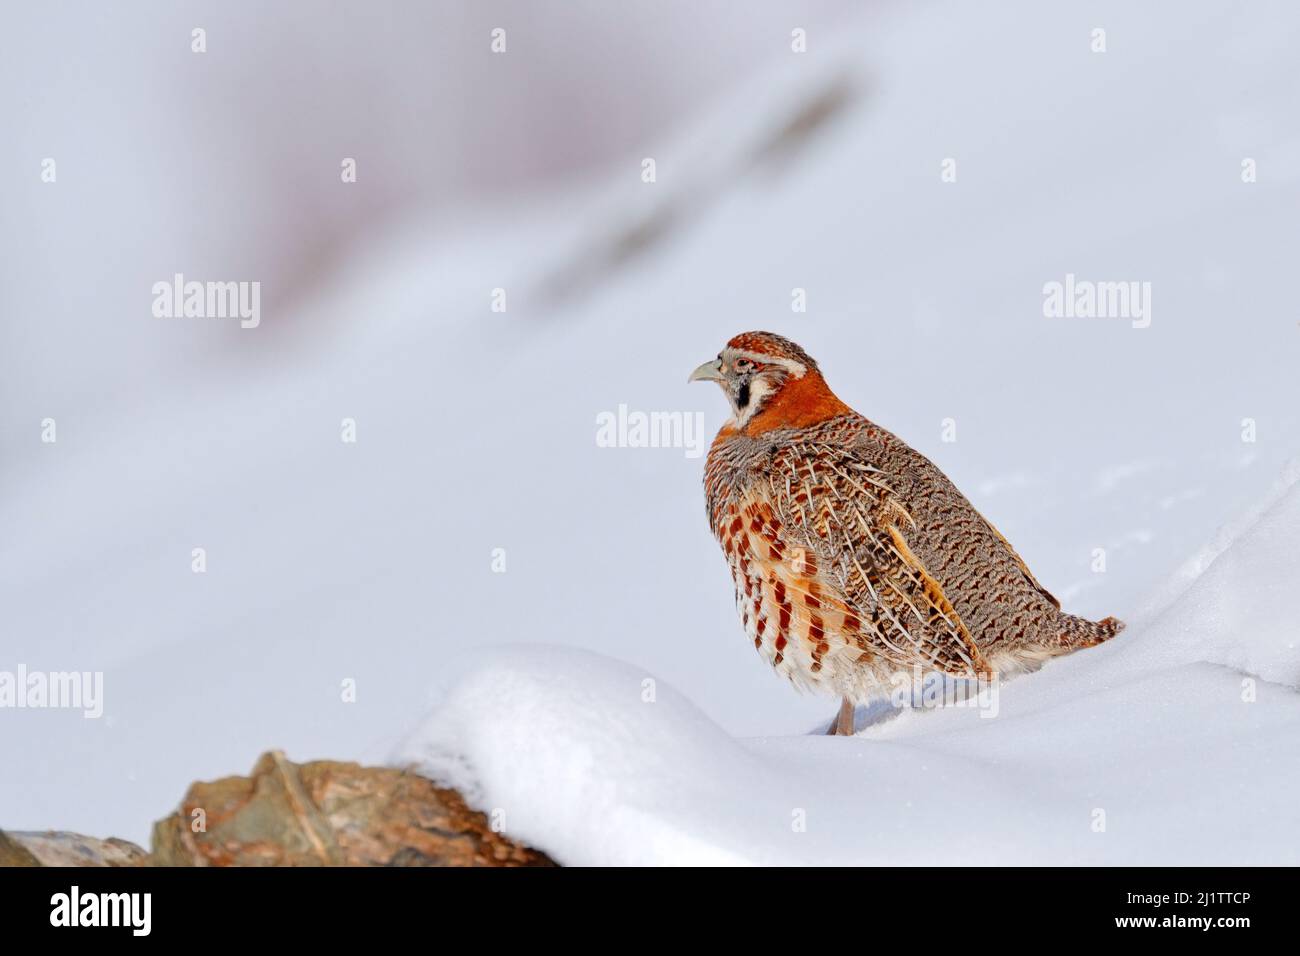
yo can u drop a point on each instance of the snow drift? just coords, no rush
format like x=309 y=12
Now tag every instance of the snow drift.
x=1177 y=743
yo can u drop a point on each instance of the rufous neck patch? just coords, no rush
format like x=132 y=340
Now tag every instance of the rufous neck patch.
x=799 y=403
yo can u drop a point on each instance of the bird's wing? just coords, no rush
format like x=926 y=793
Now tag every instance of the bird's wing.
x=1029 y=575
x=843 y=510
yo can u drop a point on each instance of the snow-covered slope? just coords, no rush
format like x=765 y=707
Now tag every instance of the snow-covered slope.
x=373 y=562
x=1238 y=606
x=1177 y=743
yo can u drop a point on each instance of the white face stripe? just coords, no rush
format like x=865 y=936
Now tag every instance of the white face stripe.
x=760 y=386
x=759 y=389
x=797 y=369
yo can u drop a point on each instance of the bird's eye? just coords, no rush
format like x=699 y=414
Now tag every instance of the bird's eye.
x=744 y=365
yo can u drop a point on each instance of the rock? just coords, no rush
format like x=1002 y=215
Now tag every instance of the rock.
x=322 y=813
x=13 y=853
x=60 y=848
x=327 y=813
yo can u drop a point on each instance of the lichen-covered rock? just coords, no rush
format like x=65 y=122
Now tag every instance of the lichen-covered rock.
x=61 y=848
x=327 y=813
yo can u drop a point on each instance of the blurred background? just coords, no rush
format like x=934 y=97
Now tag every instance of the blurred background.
x=796 y=146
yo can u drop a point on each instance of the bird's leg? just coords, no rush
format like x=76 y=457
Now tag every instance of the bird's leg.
x=843 y=726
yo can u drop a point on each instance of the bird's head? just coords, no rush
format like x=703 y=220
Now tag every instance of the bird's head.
x=770 y=382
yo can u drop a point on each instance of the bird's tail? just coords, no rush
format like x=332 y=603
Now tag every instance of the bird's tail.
x=1080 y=632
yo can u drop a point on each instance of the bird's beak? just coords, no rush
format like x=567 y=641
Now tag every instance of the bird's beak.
x=708 y=372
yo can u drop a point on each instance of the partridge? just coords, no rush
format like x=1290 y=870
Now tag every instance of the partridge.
x=854 y=558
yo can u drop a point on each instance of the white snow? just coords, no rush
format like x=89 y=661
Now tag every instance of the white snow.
x=1177 y=743
x=373 y=563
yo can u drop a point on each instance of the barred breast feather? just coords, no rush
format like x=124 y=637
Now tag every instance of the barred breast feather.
x=855 y=558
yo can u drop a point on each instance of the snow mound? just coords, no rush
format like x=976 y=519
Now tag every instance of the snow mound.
x=1238 y=610
x=1117 y=755
x=577 y=751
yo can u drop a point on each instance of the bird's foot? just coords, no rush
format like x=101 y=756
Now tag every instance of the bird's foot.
x=842 y=726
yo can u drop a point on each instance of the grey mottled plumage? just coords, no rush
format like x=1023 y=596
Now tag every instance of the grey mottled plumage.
x=854 y=557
